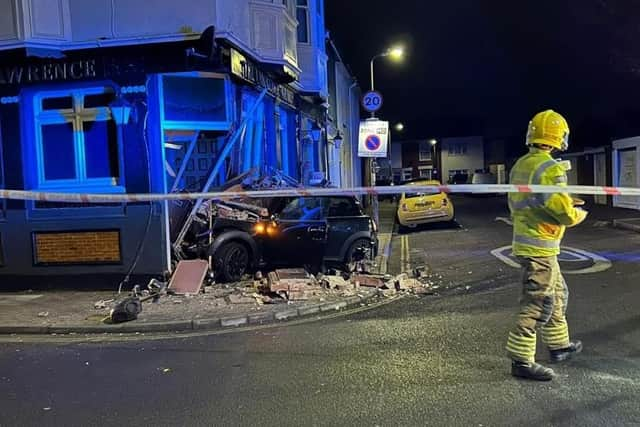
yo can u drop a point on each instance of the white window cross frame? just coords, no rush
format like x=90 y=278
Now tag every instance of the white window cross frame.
x=77 y=116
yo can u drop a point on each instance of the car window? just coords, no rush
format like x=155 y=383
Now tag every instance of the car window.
x=413 y=195
x=303 y=209
x=342 y=206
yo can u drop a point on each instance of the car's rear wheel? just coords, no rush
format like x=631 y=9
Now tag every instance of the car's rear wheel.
x=232 y=261
x=357 y=249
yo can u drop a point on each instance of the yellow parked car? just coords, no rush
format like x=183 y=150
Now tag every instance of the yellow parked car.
x=422 y=208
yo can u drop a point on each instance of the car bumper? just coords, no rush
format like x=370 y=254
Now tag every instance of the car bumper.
x=408 y=219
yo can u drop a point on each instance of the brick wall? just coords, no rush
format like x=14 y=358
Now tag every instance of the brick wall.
x=86 y=247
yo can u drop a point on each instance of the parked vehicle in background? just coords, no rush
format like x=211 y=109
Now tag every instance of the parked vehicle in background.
x=417 y=208
x=459 y=178
x=484 y=178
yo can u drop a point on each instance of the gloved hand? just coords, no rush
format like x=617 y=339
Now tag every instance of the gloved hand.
x=582 y=215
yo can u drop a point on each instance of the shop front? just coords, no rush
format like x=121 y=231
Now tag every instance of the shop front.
x=144 y=119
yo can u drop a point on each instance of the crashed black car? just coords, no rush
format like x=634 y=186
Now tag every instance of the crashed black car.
x=314 y=232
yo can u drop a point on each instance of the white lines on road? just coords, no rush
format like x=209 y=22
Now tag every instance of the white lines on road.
x=505 y=220
x=601 y=376
x=405 y=253
x=568 y=254
x=384 y=242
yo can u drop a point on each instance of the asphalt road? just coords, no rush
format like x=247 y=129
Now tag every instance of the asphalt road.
x=435 y=360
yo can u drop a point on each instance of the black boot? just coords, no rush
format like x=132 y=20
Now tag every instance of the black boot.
x=531 y=371
x=566 y=353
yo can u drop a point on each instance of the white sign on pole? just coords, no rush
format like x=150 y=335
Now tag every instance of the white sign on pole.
x=374 y=138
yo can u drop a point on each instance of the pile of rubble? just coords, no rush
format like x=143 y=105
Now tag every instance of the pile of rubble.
x=283 y=286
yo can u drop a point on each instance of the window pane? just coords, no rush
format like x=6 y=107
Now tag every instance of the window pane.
x=301 y=2
x=99 y=100
x=303 y=30
x=342 y=206
x=303 y=209
x=101 y=149
x=58 y=151
x=194 y=99
x=62 y=103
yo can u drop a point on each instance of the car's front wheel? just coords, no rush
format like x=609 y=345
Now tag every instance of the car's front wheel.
x=232 y=261
x=360 y=250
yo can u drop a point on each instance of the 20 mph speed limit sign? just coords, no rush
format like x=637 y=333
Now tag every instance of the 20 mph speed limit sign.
x=372 y=101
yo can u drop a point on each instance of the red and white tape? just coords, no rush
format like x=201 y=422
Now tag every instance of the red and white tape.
x=294 y=192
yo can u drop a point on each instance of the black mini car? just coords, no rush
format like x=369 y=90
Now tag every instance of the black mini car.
x=303 y=231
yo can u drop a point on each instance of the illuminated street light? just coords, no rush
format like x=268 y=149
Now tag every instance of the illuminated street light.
x=395 y=53
x=399 y=127
x=433 y=142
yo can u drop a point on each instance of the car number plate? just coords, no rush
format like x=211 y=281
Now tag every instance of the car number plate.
x=424 y=205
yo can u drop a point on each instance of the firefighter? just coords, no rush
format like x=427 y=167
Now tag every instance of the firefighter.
x=539 y=222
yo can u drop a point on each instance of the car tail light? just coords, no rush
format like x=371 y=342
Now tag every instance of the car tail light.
x=404 y=207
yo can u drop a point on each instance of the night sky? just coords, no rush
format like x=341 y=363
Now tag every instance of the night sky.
x=479 y=67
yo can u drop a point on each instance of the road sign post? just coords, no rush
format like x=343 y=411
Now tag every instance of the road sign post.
x=372 y=143
x=372 y=101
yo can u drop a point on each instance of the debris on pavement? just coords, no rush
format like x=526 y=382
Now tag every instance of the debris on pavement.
x=368 y=280
x=102 y=304
x=336 y=282
x=43 y=314
x=240 y=299
x=189 y=276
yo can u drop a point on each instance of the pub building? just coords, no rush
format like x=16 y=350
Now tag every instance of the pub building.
x=150 y=118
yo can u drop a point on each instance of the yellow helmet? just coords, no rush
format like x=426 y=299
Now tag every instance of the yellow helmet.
x=549 y=128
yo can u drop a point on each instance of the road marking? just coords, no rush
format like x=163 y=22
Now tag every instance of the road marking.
x=505 y=220
x=568 y=254
x=405 y=253
x=382 y=260
x=600 y=376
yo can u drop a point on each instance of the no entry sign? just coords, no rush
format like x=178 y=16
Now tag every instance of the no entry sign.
x=374 y=138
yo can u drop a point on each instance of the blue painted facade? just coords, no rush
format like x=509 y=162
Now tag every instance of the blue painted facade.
x=122 y=120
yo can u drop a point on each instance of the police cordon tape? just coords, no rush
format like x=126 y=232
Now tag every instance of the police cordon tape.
x=296 y=192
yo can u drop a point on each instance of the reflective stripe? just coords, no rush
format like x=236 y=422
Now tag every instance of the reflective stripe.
x=532 y=201
x=521 y=348
x=522 y=204
x=556 y=336
x=537 y=176
x=561 y=179
x=539 y=243
x=519 y=178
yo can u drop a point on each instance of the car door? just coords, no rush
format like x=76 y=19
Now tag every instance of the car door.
x=301 y=233
x=345 y=221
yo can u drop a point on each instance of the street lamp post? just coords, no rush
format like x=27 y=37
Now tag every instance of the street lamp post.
x=433 y=143
x=395 y=54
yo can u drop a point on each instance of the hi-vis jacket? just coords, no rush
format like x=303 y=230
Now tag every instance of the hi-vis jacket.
x=540 y=220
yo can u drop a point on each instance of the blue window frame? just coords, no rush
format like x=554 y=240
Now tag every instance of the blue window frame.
x=76 y=142
x=197 y=100
x=3 y=202
x=302 y=15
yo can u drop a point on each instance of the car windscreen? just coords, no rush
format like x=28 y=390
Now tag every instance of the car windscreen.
x=415 y=195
